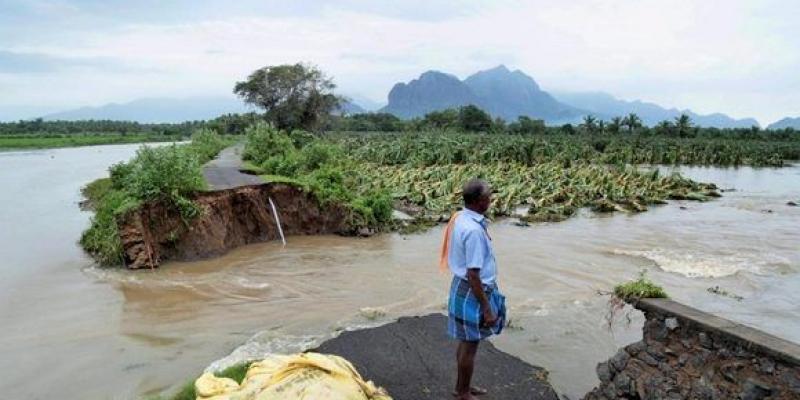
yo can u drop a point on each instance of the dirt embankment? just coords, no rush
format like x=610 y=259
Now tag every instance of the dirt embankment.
x=230 y=218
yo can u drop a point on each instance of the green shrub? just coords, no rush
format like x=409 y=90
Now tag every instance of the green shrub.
x=265 y=142
x=119 y=174
x=96 y=190
x=206 y=143
x=301 y=138
x=163 y=172
x=287 y=164
x=327 y=183
x=315 y=155
x=375 y=208
x=101 y=240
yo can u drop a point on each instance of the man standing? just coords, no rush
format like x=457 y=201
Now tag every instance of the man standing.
x=476 y=308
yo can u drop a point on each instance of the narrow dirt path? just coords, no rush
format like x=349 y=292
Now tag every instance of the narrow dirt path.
x=223 y=172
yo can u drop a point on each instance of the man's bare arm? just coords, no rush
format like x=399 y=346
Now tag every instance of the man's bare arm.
x=474 y=279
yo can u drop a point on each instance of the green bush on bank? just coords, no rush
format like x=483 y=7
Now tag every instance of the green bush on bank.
x=641 y=288
x=169 y=174
x=320 y=167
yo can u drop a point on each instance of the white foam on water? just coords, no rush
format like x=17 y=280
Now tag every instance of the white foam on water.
x=263 y=344
x=270 y=342
x=249 y=284
x=699 y=265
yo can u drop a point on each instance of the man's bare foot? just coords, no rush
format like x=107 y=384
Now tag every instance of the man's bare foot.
x=475 y=391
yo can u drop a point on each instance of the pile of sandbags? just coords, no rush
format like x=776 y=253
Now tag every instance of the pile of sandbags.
x=292 y=377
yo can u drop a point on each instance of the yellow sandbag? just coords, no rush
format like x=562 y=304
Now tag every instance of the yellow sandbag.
x=290 y=377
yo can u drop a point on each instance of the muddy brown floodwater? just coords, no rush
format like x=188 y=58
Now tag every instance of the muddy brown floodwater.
x=74 y=331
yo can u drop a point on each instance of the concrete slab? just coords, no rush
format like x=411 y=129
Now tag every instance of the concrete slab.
x=223 y=172
x=414 y=359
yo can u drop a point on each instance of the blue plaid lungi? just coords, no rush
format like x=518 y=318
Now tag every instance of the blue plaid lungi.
x=464 y=311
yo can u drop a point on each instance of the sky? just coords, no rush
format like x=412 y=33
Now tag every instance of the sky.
x=739 y=57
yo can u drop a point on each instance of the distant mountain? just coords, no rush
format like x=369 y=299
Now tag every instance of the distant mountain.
x=786 y=123
x=499 y=91
x=9 y=113
x=606 y=106
x=367 y=104
x=155 y=110
x=508 y=95
x=349 y=107
x=432 y=91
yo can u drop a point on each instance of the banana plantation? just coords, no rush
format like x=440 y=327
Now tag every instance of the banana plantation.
x=434 y=148
x=535 y=178
x=548 y=191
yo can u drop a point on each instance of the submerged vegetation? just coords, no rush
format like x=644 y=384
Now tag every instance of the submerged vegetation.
x=169 y=173
x=422 y=174
x=550 y=191
x=552 y=177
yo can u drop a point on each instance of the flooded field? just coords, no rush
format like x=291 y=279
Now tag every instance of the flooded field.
x=75 y=331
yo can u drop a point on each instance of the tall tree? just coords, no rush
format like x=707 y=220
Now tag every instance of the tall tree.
x=589 y=124
x=683 y=125
x=632 y=122
x=614 y=125
x=473 y=119
x=293 y=96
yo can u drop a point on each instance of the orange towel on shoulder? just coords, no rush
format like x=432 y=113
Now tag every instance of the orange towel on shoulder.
x=443 y=264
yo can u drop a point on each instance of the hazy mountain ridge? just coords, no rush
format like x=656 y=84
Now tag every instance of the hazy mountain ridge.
x=508 y=95
x=787 y=122
x=432 y=91
x=156 y=110
x=499 y=91
x=606 y=106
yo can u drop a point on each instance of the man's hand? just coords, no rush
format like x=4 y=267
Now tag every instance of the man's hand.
x=489 y=319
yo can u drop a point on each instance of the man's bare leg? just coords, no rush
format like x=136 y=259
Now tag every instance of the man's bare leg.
x=465 y=356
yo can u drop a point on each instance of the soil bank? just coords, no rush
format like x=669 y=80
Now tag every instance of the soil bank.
x=229 y=218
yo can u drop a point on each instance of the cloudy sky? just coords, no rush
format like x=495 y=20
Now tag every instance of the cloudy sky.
x=740 y=57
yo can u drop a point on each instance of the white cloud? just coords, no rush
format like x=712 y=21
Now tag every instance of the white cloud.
x=738 y=57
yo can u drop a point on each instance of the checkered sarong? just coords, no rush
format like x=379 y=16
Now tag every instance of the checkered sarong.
x=464 y=309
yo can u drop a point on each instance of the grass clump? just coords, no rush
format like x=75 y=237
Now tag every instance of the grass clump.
x=94 y=192
x=641 y=288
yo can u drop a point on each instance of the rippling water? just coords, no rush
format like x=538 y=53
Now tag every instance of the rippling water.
x=85 y=332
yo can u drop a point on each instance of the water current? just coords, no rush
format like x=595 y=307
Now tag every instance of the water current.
x=75 y=331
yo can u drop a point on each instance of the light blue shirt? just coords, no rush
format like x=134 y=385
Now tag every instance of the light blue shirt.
x=470 y=247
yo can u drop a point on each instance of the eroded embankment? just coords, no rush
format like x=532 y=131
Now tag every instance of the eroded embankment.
x=156 y=232
x=689 y=354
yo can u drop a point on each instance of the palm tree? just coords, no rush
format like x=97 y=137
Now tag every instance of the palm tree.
x=589 y=124
x=683 y=125
x=615 y=125
x=664 y=128
x=632 y=121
